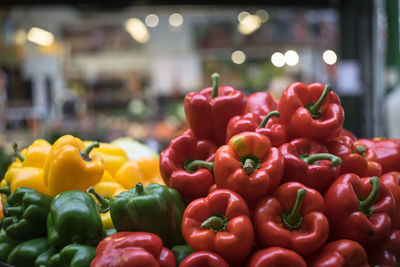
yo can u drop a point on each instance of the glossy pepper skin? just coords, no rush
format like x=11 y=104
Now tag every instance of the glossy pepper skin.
x=275 y=257
x=69 y=166
x=359 y=209
x=250 y=122
x=249 y=166
x=307 y=162
x=387 y=252
x=26 y=253
x=7 y=244
x=357 y=157
x=146 y=209
x=125 y=249
x=209 y=111
x=260 y=103
x=175 y=168
x=312 y=111
x=25 y=213
x=292 y=218
x=387 y=151
x=73 y=255
x=219 y=223
x=74 y=218
x=337 y=253
x=204 y=259
x=145 y=170
x=392 y=181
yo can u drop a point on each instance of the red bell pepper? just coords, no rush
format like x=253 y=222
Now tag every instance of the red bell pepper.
x=308 y=162
x=275 y=257
x=359 y=209
x=344 y=132
x=387 y=151
x=219 y=223
x=387 y=252
x=311 y=111
x=209 y=111
x=187 y=166
x=260 y=103
x=249 y=166
x=250 y=122
x=392 y=181
x=293 y=218
x=357 y=157
x=204 y=259
x=339 y=253
x=125 y=249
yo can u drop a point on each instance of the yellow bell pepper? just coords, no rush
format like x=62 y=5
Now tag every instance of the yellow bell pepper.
x=114 y=156
x=36 y=154
x=145 y=170
x=70 y=167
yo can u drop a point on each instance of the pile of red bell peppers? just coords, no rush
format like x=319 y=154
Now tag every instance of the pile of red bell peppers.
x=281 y=183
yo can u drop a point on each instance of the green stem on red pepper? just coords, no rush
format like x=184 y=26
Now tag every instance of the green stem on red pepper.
x=16 y=153
x=5 y=190
x=315 y=108
x=366 y=203
x=292 y=218
x=273 y=113
x=86 y=151
x=192 y=165
x=250 y=163
x=311 y=159
x=361 y=150
x=215 y=78
x=216 y=222
x=103 y=204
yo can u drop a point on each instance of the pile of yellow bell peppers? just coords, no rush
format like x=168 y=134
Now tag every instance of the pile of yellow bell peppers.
x=73 y=164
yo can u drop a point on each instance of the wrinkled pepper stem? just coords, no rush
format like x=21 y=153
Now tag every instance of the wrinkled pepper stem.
x=273 y=113
x=17 y=154
x=315 y=108
x=336 y=161
x=104 y=205
x=366 y=204
x=85 y=153
x=15 y=211
x=292 y=218
x=248 y=166
x=191 y=165
x=5 y=190
x=361 y=150
x=215 y=78
x=216 y=222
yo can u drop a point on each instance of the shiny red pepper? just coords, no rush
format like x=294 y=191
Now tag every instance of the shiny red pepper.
x=311 y=111
x=357 y=157
x=392 y=181
x=359 y=209
x=250 y=122
x=187 y=166
x=260 y=103
x=308 y=162
x=339 y=253
x=292 y=218
x=219 y=223
x=249 y=166
x=204 y=259
x=209 y=111
x=387 y=151
x=387 y=252
x=125 y=249
x=275 y=257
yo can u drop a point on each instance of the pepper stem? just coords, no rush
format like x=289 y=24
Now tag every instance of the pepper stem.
x=292 y=218
x=14 y=211
x=248 y=166
x=85 y=153
x=366 y=204
x=315 y=108
x=139 y=188
x=16 y=153
x=273 y=113
x=216 y=222
x=192 y=165
x=5 y=190
x=336 y=161
x=103 y=204
x=361 y=150
x=215 y=78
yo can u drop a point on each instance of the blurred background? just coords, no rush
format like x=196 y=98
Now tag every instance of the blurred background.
x=108 y=70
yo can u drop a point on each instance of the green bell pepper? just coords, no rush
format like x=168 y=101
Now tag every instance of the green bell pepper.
x=25 y=213
x=179 y=208
x=43 y=259
x=149 y=209
x=7 y=244
x=26 y=253
x=73 y=255
x=73 y=218
x=181 y=252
